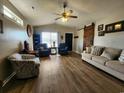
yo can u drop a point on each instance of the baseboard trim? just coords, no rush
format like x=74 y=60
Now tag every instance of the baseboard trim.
x=77 y=52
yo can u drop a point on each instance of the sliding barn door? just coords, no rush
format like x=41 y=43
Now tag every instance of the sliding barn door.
x=88 y=35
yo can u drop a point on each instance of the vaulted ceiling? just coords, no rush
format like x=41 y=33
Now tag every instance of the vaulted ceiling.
x=86 y=10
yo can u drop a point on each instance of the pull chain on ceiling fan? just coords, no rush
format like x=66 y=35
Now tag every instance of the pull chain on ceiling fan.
x=65 y=15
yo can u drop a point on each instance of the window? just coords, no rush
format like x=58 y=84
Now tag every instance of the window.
x=50 y=38
x=12 y=15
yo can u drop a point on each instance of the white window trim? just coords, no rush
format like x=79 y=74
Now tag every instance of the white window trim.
x=13 y=17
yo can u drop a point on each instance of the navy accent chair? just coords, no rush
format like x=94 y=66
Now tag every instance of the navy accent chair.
x=43 y=50
x=62 y=49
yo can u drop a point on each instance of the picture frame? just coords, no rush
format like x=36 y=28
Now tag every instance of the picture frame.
x=101 y=33
x=118 y=27
x=109 y=28
x=76 y=36
x=62 y=37
x=29 y=30
x=100 y=27
x=1 y=26
x=115 y=27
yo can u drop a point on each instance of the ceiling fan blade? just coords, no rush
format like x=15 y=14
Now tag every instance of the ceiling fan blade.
x=73 y=16
x=58 y=18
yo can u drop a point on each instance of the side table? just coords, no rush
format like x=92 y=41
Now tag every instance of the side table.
x=53 y=50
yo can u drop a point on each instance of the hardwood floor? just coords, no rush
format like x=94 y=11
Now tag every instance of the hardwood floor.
x=67 y=74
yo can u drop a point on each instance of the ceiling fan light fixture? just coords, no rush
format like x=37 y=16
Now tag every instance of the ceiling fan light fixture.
x=64 y=19
x=65 y=15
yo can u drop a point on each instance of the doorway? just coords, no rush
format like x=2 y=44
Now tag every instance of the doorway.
x=68 y=40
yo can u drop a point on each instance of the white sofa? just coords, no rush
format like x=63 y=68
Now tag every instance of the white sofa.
x=106 y=63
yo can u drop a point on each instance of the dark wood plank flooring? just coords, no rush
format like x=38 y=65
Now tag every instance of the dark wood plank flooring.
x=67 y=74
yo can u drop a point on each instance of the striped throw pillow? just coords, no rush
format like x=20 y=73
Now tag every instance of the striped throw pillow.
x=121 y=58
x=96 y=50
x=88 y=50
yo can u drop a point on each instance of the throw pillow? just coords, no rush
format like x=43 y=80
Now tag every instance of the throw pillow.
x=88 y=50
x=96 y=50
x=111 y=53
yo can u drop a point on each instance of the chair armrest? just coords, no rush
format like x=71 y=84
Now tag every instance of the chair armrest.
x=21 y=61
x=37 y=61
x=27 y=56
x=49 y=49
x=66 y=48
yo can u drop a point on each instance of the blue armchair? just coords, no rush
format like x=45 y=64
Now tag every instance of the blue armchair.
x=62 y=49
x=43 y=50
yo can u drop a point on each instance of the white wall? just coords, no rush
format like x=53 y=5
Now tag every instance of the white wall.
x=13 y=9
x=55 y=28
x=115 y=40
x=78 y=42
x=11 y=40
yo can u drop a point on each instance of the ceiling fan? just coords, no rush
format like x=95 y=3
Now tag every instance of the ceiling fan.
x=65 y=15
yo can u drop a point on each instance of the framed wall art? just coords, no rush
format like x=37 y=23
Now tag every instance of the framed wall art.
x=1 y=26
x=29 y=30
x=100 y=30
x=118 y=26
x=100 y=27
x=101 y=33
x=109 y=28
x=76 y=36
x=115 y=27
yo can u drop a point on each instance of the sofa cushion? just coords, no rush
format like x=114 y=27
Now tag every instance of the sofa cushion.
x=121 y=58
x=111 y=53
x=86 y=55
x=96 y=50
x=115 y=65
x=100 y=59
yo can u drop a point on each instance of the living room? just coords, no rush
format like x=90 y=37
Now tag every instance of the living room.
x=74 y=69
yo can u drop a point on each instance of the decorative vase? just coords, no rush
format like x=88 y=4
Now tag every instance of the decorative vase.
x=54 y=43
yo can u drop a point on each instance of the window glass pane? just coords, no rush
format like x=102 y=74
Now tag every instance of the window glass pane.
x=46 y=38
x=11 y=15
x=49 y=38
x=8 y=14
x=54 y=38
